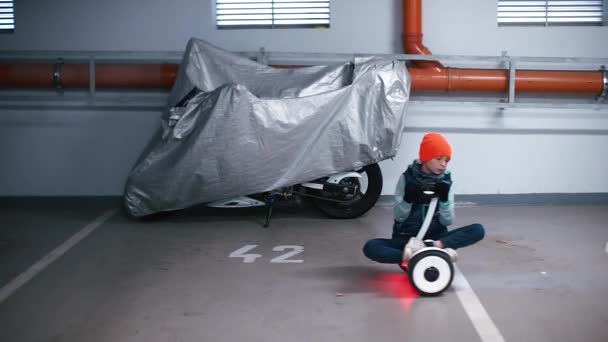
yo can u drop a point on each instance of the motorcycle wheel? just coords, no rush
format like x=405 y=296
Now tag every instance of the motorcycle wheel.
x=363 y=201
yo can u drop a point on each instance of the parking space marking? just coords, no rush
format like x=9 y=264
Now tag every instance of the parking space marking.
x=485 y=327
x=55 y=254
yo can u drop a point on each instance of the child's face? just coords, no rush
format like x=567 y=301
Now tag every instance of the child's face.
x=436 y=165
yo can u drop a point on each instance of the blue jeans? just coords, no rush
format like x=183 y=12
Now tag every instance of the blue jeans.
x=390 y=251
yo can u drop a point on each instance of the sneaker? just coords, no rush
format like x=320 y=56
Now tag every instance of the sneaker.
x=452 y=253
x=413 y=246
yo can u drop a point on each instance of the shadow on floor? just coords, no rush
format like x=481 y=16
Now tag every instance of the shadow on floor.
x=204 y=213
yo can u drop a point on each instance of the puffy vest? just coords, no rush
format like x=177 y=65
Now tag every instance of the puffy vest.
x=413 y=222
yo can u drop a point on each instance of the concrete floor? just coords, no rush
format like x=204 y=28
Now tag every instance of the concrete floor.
x=540 y=274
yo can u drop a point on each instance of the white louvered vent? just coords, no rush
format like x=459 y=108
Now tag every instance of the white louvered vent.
x=271 y=13
x=7 y=16
x=550 y=12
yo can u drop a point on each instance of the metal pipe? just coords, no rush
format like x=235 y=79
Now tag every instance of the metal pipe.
x=430 y=76
x=437 y=78
x=497 y=81
x=162 y=76
x=120 y=76
x=412 y=35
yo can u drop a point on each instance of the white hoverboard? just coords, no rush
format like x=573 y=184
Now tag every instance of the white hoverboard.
x=430 y=269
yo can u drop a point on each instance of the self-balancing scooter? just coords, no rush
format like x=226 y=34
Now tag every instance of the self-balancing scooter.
x=430 y=269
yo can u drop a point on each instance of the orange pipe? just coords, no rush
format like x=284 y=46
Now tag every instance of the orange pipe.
x=162 y=76
x=429 y=76
x=433 y=76
x=136 y=76
x=497 y=81
x=77 y=75
x=412 y=35
x=26 y=75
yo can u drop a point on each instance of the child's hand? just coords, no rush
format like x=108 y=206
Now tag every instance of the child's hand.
x=442 y=189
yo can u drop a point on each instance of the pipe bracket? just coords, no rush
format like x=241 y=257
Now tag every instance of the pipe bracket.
x=262 y=58
x=57 y=74
x=602 y=96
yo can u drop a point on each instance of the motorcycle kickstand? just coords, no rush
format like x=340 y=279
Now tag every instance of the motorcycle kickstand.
x=268 y=213
x=269 y=205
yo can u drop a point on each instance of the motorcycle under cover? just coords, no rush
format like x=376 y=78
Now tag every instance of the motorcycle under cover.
x=254 y=128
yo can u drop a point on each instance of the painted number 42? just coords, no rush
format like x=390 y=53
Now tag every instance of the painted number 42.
x=284 y=258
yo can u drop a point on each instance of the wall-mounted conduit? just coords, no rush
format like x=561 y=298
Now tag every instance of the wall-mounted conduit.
x=428 y=76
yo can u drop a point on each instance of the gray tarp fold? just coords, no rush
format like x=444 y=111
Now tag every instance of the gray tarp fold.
x=251 y=128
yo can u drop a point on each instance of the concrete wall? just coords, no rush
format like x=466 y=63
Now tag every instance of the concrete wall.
x=51 y=152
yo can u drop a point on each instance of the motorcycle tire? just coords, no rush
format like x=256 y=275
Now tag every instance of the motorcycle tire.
x=359 y=205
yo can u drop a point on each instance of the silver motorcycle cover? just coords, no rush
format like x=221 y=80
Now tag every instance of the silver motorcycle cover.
x=251 y=128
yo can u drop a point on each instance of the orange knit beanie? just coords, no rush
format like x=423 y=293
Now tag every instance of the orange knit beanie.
x=434 y=145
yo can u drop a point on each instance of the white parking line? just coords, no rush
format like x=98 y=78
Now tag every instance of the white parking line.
x=486 y=329
x=55 y=254
x=606 y=248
